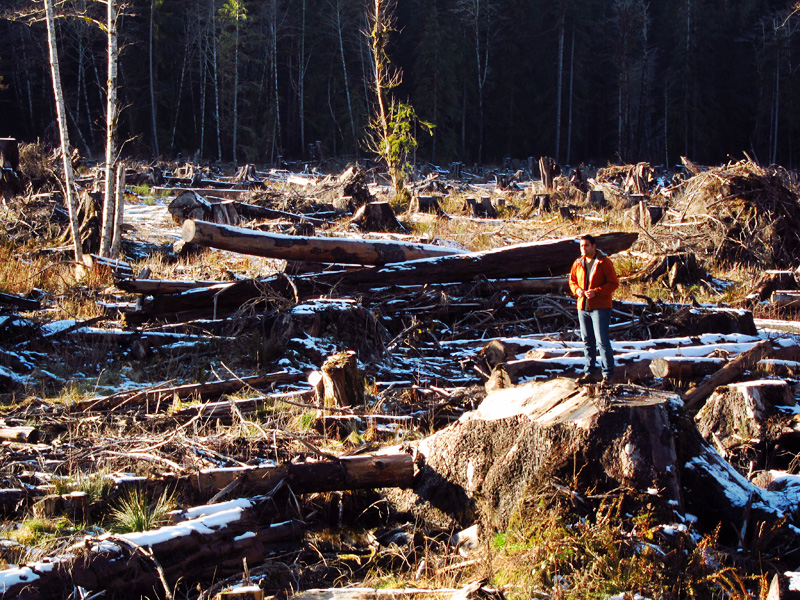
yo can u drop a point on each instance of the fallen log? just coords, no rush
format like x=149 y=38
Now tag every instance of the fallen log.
x=319 y=249
x=162 y=286
x=727 y=374
x=19 y=434
x=785 y=298
x=145 y=563
x=365 y=471
x=685 y=369
x=19 y=301
x=534 y=259
x=200 y=390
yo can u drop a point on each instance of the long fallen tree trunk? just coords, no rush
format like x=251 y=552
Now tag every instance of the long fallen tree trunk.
x=297 y=247
x=547 y=258
x=367 y=471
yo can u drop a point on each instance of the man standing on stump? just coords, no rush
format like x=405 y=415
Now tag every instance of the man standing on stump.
x=593 y=280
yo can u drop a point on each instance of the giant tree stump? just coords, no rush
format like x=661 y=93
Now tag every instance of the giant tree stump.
x=486 y=465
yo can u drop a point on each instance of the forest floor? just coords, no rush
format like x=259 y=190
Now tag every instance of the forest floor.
x=99 y=399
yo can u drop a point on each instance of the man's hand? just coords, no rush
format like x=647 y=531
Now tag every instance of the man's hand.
x=590 y=293
x=579 y=293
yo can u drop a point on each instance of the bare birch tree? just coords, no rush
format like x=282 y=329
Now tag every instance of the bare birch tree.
x=61 y=114
x=109 y=203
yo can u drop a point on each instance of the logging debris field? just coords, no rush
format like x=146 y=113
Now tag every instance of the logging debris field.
x=287 y=380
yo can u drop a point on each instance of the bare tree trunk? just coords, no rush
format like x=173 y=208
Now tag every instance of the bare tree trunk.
x=571 y=96
x=337 y=8
x=559 y=86
x=111 y=130
x=178 y=99
x=119 y=214
x=235 y=92
x=152 y=80
x=69 y=179
x=301 y=80
x=216 y=80
x=274 y=41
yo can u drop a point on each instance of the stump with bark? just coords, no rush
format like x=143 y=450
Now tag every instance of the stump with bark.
x=749 y=424
x=342 y=380
x=376 y=216
x=483 y=467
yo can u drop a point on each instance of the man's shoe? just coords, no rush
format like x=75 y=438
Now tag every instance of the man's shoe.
x=606 y=381
x=588 y=378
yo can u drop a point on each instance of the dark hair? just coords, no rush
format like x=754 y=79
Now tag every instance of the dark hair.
x=589 y=238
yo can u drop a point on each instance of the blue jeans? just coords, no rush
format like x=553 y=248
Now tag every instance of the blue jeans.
x=594 y=334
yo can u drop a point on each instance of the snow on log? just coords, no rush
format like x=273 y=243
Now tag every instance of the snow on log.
x=748 y=424
x=730 y=372
x=211 y=545
x=481 y=467
x=296 y=247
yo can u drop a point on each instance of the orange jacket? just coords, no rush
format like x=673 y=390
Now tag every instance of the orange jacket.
x=603 y=280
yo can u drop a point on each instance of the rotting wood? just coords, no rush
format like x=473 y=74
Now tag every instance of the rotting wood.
x=742 y=421
x=730 y=372
x=19 y=301
x=320 y=249
x=785 y=298
x=481 y=207
x=426 y=204
x=342 y=382
x=771 y=281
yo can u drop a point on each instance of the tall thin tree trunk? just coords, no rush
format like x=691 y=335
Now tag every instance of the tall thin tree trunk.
x=116 y=242
x=301 y=80
x=774 y=153
x=274 y=41
x=559 y=86
x=235 y=91
x=216 y=81
x=69 y=179
x=153 y=114
x=203 y=85
x=571 y=95
x=178 y=99
x=338 y=13
x=109 y=206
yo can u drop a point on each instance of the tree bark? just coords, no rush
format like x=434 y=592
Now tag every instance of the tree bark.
x=61 y=113
x=685 y=369
x=109 y=205
x=320 y=249
x=534 y=259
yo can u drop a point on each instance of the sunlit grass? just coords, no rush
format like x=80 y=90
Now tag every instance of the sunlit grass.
x=138 y=512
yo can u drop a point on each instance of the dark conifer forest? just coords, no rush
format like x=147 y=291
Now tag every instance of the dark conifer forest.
x=265 y=81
